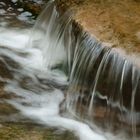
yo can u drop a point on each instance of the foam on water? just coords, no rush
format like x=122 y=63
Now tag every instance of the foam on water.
x=43 y=107
x=53 y=58
x=45 y=110
x=37 y=102
x=14 y=38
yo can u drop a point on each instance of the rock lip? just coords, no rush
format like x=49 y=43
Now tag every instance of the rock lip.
x=116 y=23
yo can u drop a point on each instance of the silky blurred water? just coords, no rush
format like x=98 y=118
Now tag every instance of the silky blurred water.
x=48 y=70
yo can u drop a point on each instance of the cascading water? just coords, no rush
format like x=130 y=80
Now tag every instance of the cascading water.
x=61 y=76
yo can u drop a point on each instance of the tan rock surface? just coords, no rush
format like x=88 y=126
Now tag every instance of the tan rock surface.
x=113 y=21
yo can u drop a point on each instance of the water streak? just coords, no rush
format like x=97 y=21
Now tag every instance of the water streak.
x=62 y=71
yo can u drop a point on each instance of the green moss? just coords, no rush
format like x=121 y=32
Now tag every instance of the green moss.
x=20 y=131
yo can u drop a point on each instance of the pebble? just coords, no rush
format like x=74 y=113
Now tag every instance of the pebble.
x=20 y=9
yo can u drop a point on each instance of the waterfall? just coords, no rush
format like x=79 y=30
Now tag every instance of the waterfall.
x=100 y=79
x=67 y=78
x=50 y=32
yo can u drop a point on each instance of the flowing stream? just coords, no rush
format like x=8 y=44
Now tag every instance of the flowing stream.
x=62 y=77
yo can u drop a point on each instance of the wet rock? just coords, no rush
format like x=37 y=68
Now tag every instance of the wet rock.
x=6 y=109
x=4 y=71
x=19 y=131
x=7 y=67
x=117 y=27
x=14 y=12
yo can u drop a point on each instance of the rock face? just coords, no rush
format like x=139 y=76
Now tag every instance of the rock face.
x=20 y=131
x=115 y=22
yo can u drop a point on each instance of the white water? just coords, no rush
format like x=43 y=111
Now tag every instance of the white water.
x=42 y=91
x=42 y=105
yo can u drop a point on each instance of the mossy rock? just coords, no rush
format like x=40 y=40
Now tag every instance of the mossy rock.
x=15 y=131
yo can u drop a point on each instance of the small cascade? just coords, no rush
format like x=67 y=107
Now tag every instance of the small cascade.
x=63 y=77
x=49 y=34
x=103 y=84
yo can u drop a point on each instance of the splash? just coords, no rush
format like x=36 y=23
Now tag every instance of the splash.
x=38 y=96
